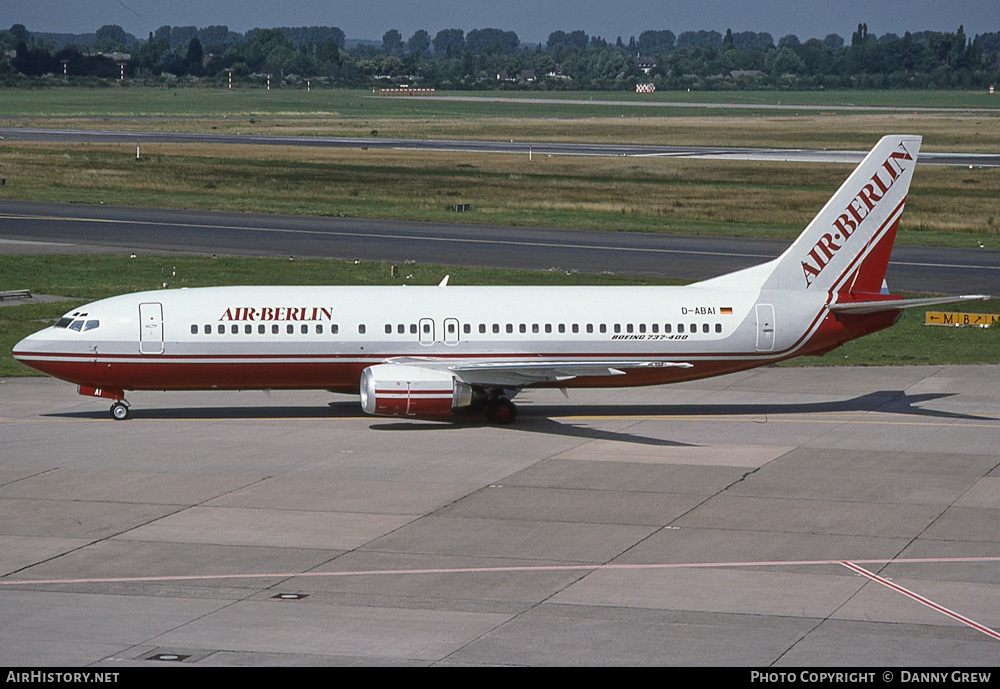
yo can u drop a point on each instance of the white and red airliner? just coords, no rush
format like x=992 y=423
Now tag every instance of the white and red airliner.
x=434 y=351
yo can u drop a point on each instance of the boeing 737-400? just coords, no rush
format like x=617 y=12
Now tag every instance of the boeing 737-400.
x=434 y=351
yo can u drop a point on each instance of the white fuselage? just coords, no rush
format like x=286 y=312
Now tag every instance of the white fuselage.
x=322 y=337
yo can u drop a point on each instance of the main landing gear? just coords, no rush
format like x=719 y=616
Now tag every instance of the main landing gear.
x=501 y=410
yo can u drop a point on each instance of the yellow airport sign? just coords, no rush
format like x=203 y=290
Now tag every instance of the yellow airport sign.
x=982 y=320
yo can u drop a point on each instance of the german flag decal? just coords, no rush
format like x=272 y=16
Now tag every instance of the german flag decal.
x=726 y=310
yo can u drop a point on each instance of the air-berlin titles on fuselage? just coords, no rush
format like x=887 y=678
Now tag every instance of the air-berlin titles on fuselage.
x=278 y=313
x=856 y=211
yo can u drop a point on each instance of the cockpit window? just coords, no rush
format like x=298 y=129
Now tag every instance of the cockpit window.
x=78 y=324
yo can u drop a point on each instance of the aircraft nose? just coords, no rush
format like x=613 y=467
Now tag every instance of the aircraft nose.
x=23 y=349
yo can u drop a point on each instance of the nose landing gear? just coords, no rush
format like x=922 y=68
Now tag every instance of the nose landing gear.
x=119 y=406
x=119 y=410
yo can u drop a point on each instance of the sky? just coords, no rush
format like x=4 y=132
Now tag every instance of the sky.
x=532 y=20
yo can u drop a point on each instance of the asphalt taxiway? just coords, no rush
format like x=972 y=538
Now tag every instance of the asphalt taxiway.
x=777 y=517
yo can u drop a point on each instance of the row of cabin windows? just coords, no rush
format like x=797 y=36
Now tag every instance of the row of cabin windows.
x=401 y=329
x=547 y=328
x=248 y=329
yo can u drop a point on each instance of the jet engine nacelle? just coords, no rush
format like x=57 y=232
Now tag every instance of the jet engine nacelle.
x=394 y=390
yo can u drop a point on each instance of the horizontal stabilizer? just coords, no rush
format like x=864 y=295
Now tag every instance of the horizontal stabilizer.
x=863 y=307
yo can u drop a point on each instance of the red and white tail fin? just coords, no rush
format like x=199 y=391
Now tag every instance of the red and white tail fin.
x=845 y=249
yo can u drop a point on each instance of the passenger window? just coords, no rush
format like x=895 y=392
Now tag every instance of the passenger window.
x=562 y=327
x=590 y=327
x=510 y=328
x=680 y=327
x=234 y=329
x=522 y=328
x=534 y=327
x=604 y=327
x=361 y=328
x=482 y=328
x=667 y=328
x=628 y=328
x=466 y=328
x=388 y=329
x=618 y=327
x=642 y=327
x=694 y=327
x=289 y=329
x=208 y=329
x=194 y=329
x=334 y=329
x=704 y=327
x=655 y=327
x=304 y=329
x=718 y=327
x=221 y=329
x=248 y=329
x=413 y=328
x=274 y=329
x=260 y=329
x=319 y=328
x=576 y=327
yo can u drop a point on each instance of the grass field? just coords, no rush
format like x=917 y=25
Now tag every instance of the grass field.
x=948 y=206
x=969 y=125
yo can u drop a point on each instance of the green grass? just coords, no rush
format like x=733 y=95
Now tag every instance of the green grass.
x=249 y=99
x=947 y=206
x=87 y=278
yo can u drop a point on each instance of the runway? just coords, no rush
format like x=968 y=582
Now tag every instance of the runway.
x=37 y=227
x=483 y=147
x=774 y=518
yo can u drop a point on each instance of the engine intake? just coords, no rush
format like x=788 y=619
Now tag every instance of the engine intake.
x=393 y=390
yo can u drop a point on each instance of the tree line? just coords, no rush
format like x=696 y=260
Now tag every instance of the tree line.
x=491 y=58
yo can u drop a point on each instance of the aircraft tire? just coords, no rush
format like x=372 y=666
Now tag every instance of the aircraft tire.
x=501 y=411
x=119 y=411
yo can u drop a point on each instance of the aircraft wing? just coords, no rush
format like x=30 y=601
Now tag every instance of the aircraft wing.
x=520 y=372
x=863 y=307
